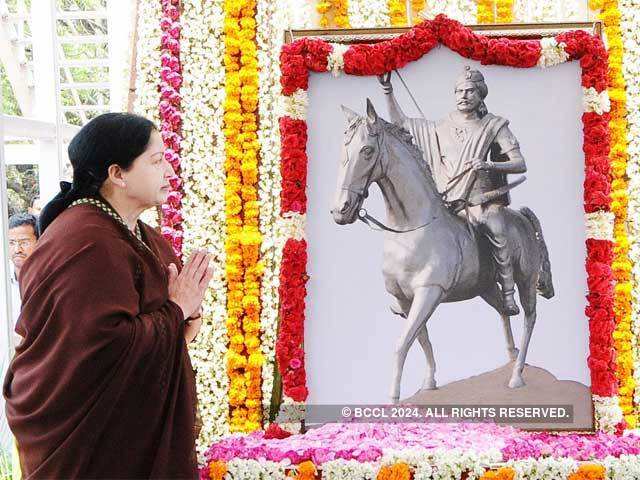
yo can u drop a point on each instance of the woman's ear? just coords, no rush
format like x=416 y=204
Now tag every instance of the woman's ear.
x=115 y=176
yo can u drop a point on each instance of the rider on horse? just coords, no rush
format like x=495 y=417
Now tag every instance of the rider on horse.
x=470 y=153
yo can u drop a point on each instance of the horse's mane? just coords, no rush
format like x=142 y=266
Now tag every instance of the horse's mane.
x=402 y=135
x=399 y=133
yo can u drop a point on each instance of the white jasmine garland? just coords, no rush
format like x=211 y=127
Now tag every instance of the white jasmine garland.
x=552 y=52
x=148 y=63
x=349 y=469
x=299 y=14
x=203 y=202
x=270 y=22
x=240 y=469
x=630 y=30
x=465 y=11
x=368 y=13
x=528 y=11
x=546 y=468
x=599 y=225
x=623 y=468
x=594 y=101
x=441 y=464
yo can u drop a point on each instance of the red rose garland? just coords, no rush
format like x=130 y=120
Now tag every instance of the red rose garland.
x=302 y=56
x=289 y=346
x=293 y=165
x=171 y=118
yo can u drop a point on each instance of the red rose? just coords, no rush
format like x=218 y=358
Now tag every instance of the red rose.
x=275 y=431
x=599 y=163
x=316 y=54
x=299 y=393
x=599 y=251
x=596 y=191
x=599 y=277
x=294 y=73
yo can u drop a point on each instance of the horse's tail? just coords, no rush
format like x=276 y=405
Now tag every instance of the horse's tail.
x=545 y=280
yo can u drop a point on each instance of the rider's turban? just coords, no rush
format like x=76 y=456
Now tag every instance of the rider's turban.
x=475 y=77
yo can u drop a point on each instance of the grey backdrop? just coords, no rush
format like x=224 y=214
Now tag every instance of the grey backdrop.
x=350 y=333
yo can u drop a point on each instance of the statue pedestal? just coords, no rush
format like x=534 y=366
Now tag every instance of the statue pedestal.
x=491 y=388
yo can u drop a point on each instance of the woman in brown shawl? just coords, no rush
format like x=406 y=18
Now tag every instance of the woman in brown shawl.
x=101 y=385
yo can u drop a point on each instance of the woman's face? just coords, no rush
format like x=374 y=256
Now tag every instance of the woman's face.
x=147 y=180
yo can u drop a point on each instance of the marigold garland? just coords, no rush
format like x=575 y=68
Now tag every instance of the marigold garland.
x=397 y=471
x=417 y=7
x=398 y=13
x=621 y=265
x=306 y=471
x=341 y=13
x=504 y=473
x=244 y=361
x=486 y=11
x=323 y=8
x=504 y=11
x=589 y=471
x=217 y=470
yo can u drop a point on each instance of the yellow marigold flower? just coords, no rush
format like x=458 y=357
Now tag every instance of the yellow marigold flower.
x=256 y=360
x=504 y=473
x=217 y=470
x=588 y=471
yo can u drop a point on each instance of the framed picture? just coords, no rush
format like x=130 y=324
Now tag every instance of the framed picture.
x=435 y=183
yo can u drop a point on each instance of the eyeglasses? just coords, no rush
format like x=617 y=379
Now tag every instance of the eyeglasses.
x=20 y=243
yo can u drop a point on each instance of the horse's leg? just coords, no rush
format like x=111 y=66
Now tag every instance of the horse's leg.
x=402 y=308
x=528 y=302
x=492 y=298
x=429 y=382
x=425 y=301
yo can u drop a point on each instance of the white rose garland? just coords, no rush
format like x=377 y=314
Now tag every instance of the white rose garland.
x=335 y=61
x=607 y=413
x=597 y=102
x=599 y=225
x=294 y=106
x=552 y=53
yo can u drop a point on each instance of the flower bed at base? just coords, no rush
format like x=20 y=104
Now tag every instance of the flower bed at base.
x=357 y=450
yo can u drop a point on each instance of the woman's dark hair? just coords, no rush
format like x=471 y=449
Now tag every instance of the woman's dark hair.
x=111 y=138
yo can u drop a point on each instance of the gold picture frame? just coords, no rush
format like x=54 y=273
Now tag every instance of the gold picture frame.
x=512 y=30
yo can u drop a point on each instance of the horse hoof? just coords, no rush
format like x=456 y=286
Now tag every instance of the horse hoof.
x=516 y=382
x=429 y=385
x=513 y=354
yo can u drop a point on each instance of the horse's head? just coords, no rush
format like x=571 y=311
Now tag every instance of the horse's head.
x=360 y=166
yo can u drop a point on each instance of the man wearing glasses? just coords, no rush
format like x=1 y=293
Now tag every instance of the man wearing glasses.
x=23 y=234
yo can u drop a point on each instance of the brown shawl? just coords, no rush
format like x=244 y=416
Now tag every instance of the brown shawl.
x=102 y=385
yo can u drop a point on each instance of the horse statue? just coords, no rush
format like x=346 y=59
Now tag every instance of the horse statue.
x=432 y=255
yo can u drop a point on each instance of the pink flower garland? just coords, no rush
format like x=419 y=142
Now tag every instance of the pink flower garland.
x=171 y=118
x=302 y=56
